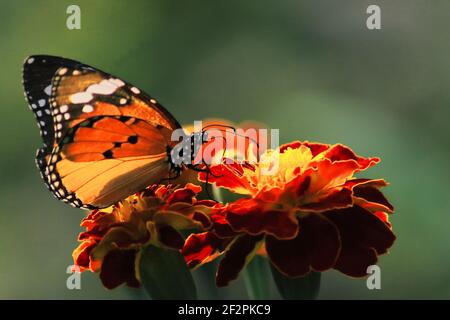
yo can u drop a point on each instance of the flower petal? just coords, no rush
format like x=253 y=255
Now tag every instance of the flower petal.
x=236 y=257
x=334 y=200
x=363 y=237
x=229 y=176
x=170 y=237
x=339 y=152
x=201 y=248
x=221 y=226
x=315 y=148
x=119 y=267
x=181 y=195
x=330 y=174
x=81 y=255
x=316 y=247
x=372 y=199
x=251 y=216
x=177 y=220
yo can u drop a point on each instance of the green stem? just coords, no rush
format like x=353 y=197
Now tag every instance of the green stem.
x=257 y=279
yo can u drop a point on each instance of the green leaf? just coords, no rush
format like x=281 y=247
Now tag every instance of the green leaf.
x=303 y=288
x=255 y=278
x=164 y=274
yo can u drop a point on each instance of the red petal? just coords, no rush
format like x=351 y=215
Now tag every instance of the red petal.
x=291 y=145
x=249 y=215
x=363 y=236
x=81 y=255
x=206 y=203
x=316 y=247
x=335 y=199
x=181 y=195
x=229 y=176
x=203 y=219
x=340 y=152
x=170 y=237
x=330 y=174
x=373 y=197
x=235 y=259
x=119 y=267
x=222 y=228
x=315 y=148
x=383 y=216
x=379 y=183
x=201 y=248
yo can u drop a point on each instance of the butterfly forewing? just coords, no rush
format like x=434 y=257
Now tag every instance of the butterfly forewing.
x=104 y=139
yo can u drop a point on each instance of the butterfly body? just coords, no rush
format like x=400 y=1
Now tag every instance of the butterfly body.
x=103 y=138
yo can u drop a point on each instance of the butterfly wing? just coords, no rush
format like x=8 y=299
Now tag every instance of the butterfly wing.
x=104 y=139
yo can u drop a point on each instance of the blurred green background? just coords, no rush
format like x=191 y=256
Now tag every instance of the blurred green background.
x=310 y=68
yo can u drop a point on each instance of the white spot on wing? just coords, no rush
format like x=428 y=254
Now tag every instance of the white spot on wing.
x=104 y=87
x=81 y=97
x=30 y=60
x=135 y=90
x=41 y=102
x=48 y=90
x=117 y=82
x=87 y=108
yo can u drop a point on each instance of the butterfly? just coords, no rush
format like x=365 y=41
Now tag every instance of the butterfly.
x=103 y=138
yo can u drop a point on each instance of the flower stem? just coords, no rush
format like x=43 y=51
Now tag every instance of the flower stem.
x=257 y=279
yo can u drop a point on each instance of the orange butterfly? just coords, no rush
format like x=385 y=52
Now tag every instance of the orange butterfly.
x=104 y=138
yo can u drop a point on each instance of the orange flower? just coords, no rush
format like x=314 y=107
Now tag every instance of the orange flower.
x=311 y=213
x=114 y=236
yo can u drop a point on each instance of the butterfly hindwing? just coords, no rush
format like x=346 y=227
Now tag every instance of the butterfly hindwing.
x=104 y=138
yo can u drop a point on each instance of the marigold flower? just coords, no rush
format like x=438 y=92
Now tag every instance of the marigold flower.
x=114 y=236
x=311 y=214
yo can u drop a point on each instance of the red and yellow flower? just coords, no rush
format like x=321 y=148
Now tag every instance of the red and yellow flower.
x=114 y=236
x=304 y=209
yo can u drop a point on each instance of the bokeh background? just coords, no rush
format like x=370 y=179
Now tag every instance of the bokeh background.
x=310 y=68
